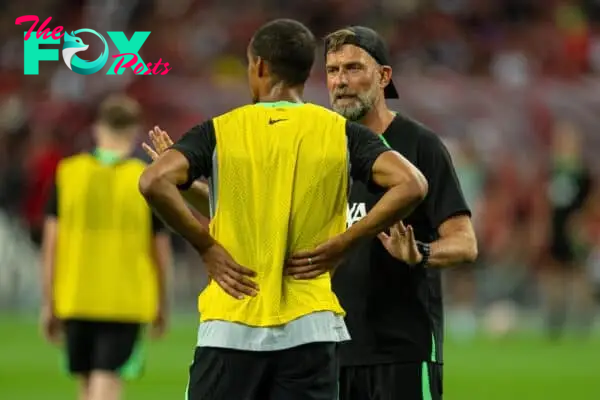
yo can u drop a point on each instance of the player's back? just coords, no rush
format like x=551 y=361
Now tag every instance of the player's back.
x=103 y=261
x=280 y=180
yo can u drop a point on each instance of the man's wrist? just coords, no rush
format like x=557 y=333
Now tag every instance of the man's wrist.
x=205 y=241
x=425 y=252
x=349 y=238
x=419 y=259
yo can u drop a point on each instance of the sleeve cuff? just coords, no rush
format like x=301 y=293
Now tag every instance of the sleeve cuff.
x=190 y=180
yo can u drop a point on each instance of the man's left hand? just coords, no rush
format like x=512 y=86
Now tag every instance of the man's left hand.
x=401 y=244
x=325 y=258
x=159 y=325
x=161 y=141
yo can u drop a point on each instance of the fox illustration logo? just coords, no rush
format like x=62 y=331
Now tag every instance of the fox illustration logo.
x=73 y=44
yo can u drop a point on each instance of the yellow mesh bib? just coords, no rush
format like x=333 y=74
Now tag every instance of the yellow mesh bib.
x=103 y=265
x=282 y=178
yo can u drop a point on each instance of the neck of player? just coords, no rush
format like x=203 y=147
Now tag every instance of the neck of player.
x=379 y=117
x=282 y=92
x=121 y=144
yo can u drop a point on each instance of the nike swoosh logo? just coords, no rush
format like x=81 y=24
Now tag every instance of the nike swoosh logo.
x=274 y=121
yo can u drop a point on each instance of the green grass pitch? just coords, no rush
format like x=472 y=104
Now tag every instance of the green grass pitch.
x=519 y=368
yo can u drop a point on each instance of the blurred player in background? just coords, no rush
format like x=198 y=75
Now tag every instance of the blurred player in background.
x=105 y=257
x=570 y=184
x=279 y=174
x=393 y=298
x=590 y=224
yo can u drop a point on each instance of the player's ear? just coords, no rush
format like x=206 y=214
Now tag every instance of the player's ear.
x=386 y=75
x=261 y=67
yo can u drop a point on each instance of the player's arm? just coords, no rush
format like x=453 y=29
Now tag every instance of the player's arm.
x=456 y=245
x=583 y=207
x=447 y=208
x=49 y=321
x=161 y=255
x=178 y=168
x=197 y=195
x=380 y=167
x=49 y=239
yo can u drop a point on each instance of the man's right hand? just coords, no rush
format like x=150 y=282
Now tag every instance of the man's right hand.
x=232 y=277
x=401 y=244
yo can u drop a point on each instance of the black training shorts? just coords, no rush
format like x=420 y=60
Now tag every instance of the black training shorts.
x=102 y=346
x=392 y=382
x=307 y=372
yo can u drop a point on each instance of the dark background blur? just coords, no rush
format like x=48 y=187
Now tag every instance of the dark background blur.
x=497 y=79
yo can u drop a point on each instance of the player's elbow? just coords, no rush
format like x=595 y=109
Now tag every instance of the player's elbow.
x=416 y=184
x=410 y=189
x=422 y=185
x=150 y=182
x=470 y=249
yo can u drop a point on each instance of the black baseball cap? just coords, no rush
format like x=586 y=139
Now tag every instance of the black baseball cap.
x=372 y=42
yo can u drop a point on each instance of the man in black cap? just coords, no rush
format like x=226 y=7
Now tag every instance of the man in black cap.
x=393 y=298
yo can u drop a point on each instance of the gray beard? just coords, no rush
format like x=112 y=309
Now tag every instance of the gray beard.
x=358 y=111
x=353 y=113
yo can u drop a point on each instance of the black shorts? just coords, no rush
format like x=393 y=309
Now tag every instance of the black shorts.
x=307 y=372
x=102 y=346
x=391 y=382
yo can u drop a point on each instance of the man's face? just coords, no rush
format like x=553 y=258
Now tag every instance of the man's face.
x=353 y=78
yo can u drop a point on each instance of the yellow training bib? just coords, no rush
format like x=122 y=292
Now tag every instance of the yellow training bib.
x=281 y=181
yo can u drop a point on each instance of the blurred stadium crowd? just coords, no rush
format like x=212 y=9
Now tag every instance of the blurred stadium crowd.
x=498 y=79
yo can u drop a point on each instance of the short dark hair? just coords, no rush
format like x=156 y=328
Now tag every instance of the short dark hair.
x=288 y=47
x=119 y=112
